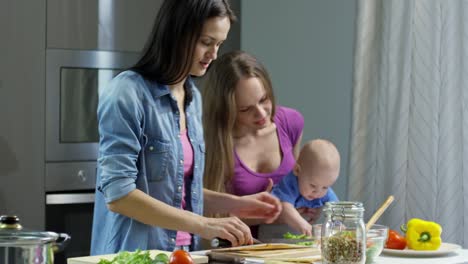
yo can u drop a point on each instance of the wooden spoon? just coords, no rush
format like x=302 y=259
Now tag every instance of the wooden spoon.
x=379 y=212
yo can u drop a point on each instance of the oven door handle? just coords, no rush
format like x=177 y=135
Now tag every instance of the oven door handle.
x=70 y=198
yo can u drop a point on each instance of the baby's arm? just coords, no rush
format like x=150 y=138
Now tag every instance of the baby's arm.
x=310 y=214
x=290 y=216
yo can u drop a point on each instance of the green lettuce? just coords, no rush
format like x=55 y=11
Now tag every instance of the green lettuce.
x=137 y=257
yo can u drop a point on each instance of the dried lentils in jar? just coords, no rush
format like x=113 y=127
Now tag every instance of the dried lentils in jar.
x=342 y=249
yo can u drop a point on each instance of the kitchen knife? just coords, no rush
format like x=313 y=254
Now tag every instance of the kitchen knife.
x=222 y=243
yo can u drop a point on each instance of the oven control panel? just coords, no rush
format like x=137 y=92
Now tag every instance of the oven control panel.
x=70 y=176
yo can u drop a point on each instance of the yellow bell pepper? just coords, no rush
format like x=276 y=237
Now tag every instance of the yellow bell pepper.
x=423 y=235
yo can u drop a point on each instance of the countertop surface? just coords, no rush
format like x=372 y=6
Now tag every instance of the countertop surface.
x=459 y=256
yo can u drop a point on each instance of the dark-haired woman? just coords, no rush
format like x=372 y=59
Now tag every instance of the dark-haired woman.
x=149 y=192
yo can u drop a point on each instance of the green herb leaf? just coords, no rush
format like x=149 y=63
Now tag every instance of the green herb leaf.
x=137 y=257
x=290 y=235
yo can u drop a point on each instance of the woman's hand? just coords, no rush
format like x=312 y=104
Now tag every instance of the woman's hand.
x=310 y=214
x=230 y=228
x=260 y=205
x=269 y=186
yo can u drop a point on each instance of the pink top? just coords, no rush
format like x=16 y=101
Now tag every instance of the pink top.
x=289 y=126
x=184 y=238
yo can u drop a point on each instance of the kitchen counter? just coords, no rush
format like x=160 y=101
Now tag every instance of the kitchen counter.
x=458 y=257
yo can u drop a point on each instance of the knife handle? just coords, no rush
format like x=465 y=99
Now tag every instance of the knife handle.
x=220 y=243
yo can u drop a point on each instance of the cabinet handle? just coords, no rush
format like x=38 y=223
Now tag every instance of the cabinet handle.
x=70 y=198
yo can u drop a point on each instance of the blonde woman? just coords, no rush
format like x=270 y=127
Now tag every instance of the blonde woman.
x=251 y=143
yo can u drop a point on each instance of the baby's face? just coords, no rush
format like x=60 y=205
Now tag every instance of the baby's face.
x=314 y=183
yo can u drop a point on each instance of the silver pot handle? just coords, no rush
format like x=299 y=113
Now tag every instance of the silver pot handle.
x=61 y=242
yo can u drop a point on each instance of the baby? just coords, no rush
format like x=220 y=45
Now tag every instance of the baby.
x=308 y=185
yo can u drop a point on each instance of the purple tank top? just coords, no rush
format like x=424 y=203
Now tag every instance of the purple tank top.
x=289 y=126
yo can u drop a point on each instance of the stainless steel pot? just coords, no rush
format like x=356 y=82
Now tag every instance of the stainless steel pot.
x=21 y=246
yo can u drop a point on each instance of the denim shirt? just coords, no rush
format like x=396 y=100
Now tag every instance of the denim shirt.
x=140 y=148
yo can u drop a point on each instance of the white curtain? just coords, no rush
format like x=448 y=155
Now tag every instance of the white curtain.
x=410 y=118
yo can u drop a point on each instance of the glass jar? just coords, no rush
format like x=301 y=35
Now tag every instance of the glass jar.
x=343 y=233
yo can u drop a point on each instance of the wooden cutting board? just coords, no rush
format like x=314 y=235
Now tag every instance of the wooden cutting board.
x=266 y=252
x=95 y=259
x=264 y=246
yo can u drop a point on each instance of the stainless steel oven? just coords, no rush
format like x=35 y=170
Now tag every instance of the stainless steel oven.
x=73 y=79
x=73 y=213
x=87 y=43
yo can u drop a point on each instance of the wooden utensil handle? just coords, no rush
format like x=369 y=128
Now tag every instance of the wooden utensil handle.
x=379 y=212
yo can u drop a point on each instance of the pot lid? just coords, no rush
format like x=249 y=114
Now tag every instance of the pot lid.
x=13 y=234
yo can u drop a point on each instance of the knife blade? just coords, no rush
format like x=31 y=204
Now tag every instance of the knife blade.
x=224 y=257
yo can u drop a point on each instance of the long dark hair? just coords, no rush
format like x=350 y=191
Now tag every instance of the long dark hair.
x=168 y=52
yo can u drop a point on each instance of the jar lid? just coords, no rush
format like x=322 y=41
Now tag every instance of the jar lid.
x=344 y=204
x=344 y=207
x=13 y=234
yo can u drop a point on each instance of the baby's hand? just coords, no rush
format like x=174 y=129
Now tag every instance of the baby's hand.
x=306 y=229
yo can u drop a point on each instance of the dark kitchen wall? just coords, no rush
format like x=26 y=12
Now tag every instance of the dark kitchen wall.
x=307 y=45
x=22 y=91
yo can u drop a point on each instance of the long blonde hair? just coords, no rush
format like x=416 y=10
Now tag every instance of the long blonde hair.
x=220 y=112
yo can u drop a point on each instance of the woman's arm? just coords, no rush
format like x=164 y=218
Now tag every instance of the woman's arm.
x=260 y=205
x=253 y=222
x=150 y=211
